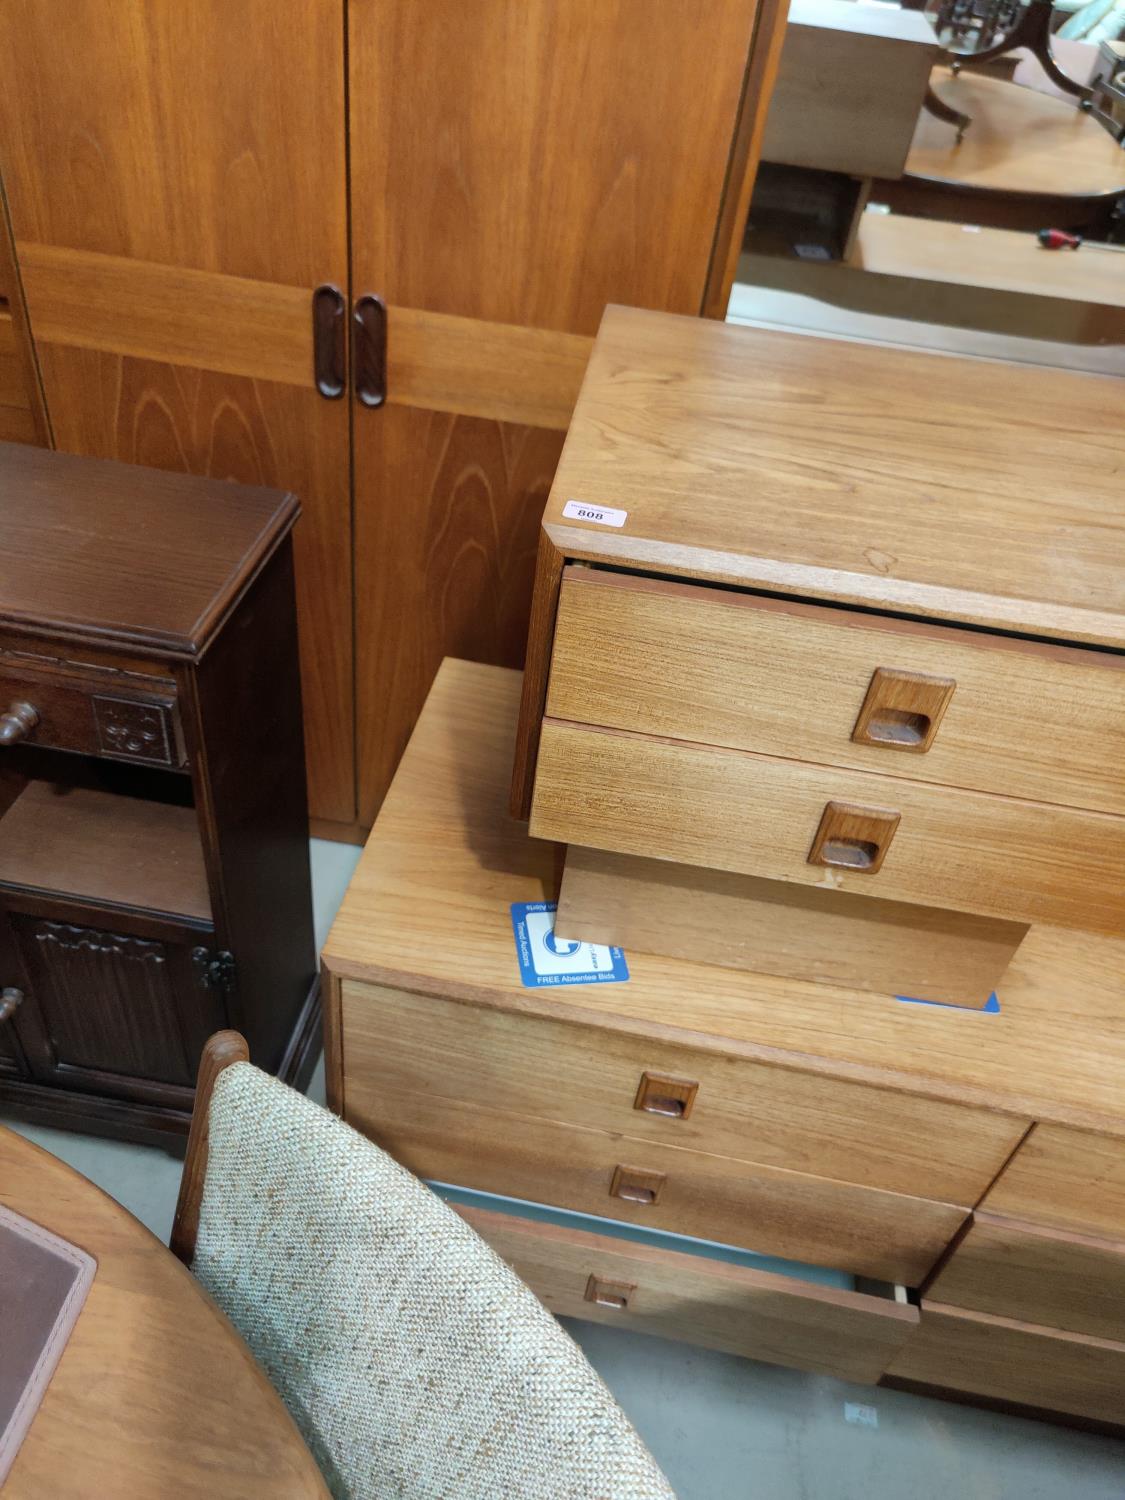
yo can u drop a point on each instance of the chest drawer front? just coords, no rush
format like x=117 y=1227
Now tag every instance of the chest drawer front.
x=757 y=1314
x=1049 y=1276
x=1022 y=719
x=96 y=716
x=729 y=810
x=597 y=1078
x=1065 y=1179
x=885 y=1236
x=1013 y=1361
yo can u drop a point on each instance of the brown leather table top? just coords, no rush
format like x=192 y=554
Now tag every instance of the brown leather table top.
x=154 y=1394
x=43 y=1284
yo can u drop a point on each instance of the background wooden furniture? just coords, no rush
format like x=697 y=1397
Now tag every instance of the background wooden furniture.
x=846 y=1132
x=1029 y=160
x=154 y=875
x=849 y=87
x=181 y=180
x=155 y=1392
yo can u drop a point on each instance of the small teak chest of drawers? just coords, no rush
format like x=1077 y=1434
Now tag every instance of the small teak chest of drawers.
x=786 y=1170
x=835 y=617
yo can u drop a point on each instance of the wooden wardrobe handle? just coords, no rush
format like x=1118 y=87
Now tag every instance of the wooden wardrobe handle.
x=329 y=338
x=369 y=350
x=853 y=838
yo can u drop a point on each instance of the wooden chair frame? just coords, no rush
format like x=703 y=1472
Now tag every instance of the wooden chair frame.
x=219 y=1052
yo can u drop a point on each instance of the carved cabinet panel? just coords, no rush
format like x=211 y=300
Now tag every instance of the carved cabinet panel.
x=111 y=1011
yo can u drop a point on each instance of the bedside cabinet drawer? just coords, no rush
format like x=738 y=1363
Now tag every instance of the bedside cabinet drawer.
x=1062 y=1178
x=1012 y=1361
x=839 y=829
x=807 y=682
x=711 y=1302
x=860 y=1230
x=668 y=1095
x=94 y=715
x=1049 y=1276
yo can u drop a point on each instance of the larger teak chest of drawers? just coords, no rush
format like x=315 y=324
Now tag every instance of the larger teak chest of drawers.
x=787 y=1170
x=836 y=616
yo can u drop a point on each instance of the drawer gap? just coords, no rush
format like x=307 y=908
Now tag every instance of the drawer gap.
x=662 y=1239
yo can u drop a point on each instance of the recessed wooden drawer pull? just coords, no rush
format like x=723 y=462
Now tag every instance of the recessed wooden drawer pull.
x=902 y=710
x=636 y=1185
x=853 y=838
x=673 y=1097
x=613 y=1294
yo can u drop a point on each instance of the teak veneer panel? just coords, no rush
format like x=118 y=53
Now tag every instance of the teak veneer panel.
x=887 y=1236
x=777 y=1117
x=262 y=330
x=178 y=185
x=776 y=927
x=1065 y=1179
x=880 y=477
x=589 y=161
x=1050 y=1276
x=17 y=420
x=758 y=815
x=726 y=668
x=122 y=851
x=758 y=1314
x=445 y=850
x=532 y=205
x=458 y=568
x=1012 y=1361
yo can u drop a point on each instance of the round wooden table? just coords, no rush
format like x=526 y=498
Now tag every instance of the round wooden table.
x=155 y=1397
x=1034 y=159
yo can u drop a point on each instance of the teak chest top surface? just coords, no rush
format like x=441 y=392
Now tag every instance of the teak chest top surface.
x=428 y=911
x=913 y=482
x=112 y=554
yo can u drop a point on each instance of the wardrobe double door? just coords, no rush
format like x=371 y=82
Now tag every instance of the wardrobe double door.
x=475 y=180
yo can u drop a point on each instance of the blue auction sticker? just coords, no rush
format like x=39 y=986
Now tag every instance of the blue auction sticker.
x=991 y=1007
x=547 y=960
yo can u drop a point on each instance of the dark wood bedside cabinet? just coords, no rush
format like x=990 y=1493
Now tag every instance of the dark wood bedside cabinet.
x=154 y=872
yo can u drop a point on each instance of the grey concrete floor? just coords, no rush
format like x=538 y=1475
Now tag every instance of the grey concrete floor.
x=725 y=1428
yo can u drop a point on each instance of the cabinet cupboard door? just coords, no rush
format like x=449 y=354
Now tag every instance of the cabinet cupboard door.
x=176 y=178
x=12 y=1063
x=108 y=1010
x=514 y=167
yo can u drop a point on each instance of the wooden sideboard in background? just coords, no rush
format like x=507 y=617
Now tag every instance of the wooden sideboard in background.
x=181 y=179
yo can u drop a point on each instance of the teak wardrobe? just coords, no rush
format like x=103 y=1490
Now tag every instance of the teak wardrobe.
x=468 y=183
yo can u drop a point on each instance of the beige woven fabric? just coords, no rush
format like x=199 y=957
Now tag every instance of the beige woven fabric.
x=416 y=1364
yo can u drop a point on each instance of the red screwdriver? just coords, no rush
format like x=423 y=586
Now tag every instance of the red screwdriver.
x=1059 y=239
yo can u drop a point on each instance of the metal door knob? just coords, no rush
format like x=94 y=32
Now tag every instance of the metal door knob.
x=10 y=1001
x=17 y=723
